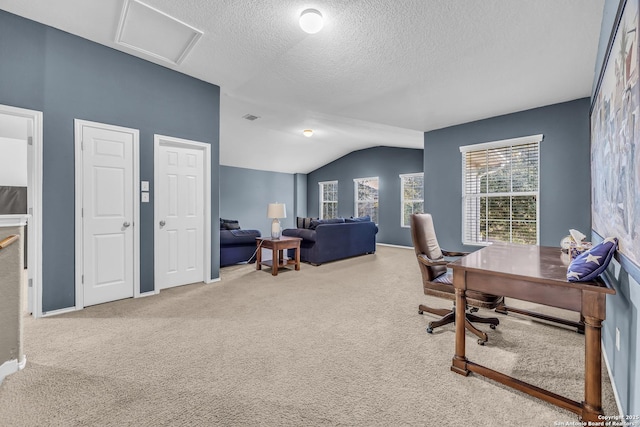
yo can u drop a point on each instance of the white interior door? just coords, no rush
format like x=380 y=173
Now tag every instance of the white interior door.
x=109 y=220
x=180 y=219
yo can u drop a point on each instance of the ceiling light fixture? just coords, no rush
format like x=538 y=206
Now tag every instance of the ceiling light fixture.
x=307 y=133
x=311 y=21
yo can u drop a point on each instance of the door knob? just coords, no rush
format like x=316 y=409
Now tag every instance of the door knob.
x=162 y=223
x=126 y=224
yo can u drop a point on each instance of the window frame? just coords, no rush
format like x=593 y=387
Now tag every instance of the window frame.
x=501 y=144
x=356 y=181
x=321 y=200
x=402 y=199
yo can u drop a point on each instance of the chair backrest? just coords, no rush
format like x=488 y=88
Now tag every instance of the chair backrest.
x=425 y=243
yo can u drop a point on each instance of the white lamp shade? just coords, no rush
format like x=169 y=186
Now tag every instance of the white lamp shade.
x=276 y=210
x=311 y=21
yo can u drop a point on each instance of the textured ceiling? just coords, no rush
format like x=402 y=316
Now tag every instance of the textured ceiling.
x=381 y=72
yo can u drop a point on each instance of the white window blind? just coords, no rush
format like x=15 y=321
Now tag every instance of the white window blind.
x=412 y=193
x=500 y=191
x=328 y=199
x=366 y=197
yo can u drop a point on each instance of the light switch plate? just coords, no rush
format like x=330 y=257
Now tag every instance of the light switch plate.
x=145 y=197
x=144 y=186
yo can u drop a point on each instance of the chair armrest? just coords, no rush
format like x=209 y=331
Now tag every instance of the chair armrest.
x=454 y=253
x=422 y=258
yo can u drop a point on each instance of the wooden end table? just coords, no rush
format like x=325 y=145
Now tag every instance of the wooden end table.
x=278 y=246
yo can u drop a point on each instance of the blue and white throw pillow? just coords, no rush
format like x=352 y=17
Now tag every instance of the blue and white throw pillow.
x=590 y=264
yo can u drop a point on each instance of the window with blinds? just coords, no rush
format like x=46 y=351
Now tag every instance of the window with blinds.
x=328 y=199
x=412 y=193
x=500 y=191
x=366 y=197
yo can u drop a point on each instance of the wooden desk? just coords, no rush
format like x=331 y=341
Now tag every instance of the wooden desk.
x=536 y=274
x=277 y=246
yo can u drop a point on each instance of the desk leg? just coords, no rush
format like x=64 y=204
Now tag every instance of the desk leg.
x=592 y=405
x=459 y=363
x=297 y=250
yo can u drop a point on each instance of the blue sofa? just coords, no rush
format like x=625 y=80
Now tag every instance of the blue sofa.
x=334 y=239
x=237 y=246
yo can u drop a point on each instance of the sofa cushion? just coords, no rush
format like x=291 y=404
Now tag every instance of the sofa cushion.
x=365 y=218
x=317 y=222
x=229 y=224
x=303 y=233
x=304 y=222
x=238 y=237
x=242 y=233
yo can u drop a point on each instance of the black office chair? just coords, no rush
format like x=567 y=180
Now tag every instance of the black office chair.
x=438 y=282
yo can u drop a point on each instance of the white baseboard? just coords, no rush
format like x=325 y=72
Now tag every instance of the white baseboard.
x=7 y=368
x=217 y=279
x=147 y=294
x=394 y=246
x=61 y=311
x=613 y=384
x=11 y=367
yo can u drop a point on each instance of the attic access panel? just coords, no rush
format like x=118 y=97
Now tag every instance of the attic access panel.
x=154 y=33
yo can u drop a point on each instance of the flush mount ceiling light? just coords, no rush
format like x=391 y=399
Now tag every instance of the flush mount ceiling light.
x=311 y=21
x=307 y=132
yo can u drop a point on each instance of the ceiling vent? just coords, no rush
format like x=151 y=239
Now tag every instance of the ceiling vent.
x=250 y=117
x=154 y=33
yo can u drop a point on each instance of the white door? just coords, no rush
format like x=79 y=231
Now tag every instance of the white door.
x=108 y=227
x=179 y=215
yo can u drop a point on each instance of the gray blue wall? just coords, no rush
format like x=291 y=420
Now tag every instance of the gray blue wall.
x=622 y=308
x=245 y=194
x=67 y=77
x=300 y=196
x=387 y=163
x=565 y=191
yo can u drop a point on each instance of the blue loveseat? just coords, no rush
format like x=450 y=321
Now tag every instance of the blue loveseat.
x=236 y=245
x=333 y=239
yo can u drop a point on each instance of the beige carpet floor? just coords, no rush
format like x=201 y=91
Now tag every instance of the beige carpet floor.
x=337 y=345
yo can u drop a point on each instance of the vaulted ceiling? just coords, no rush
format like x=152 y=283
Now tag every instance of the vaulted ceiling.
x=381 y=72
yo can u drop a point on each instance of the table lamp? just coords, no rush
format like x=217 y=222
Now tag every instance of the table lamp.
x=276 y=211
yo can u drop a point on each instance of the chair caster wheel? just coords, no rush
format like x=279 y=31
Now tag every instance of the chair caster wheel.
x=492 y=326
x=420 y=312
x=481 y=342
x=429 y=330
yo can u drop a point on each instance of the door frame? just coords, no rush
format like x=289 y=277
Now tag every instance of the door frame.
x=79 y=167
x=169 y=141
x=34 y=205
